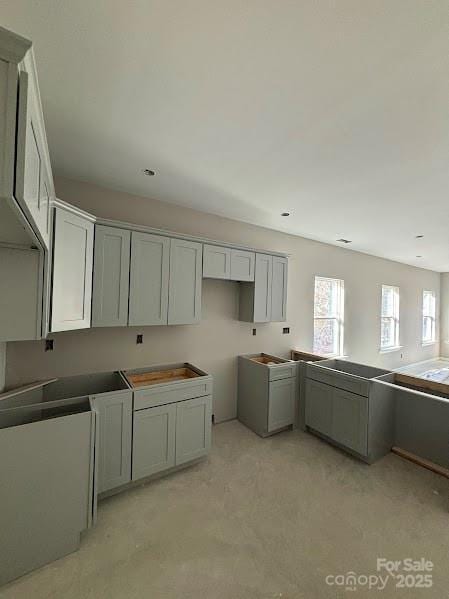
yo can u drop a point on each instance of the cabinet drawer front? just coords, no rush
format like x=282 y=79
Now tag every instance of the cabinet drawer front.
x=166 y=394
x=216 y=262
x=285 y=371
x=193 y=429
x=242 y=265
x=350 y=420
x=340 y=380
x=153 y=441
x=281 y=404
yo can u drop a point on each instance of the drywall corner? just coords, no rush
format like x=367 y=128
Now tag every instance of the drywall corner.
x=444 y=314
x=2 y=365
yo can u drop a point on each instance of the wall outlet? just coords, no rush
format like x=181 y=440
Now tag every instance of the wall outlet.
x=139 y=339
x=254 y=332
x=286 y=331
x=49 y=344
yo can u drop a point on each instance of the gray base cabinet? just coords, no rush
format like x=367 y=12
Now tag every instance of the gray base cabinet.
x=267 y=393
x=349 y=408
x=281 y=403
x=115 y=412
x=154 y=440
x=319 y=407
x=47 y=478
x=172 y=417
x=193 y=429
x=171 y=435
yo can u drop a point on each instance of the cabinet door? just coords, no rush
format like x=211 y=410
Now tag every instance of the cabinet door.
x=350 y=420
x=114 y=445
x=184 y=304
x=148 y=293
x=216 y=262
x=72 y=271
x=279 y=289
x=153 y=440
x=110 y=290
x=262 y=288
x=32 y=178
x=193 y=428
x=281 y=403
x=318 y=400
x=242 y=265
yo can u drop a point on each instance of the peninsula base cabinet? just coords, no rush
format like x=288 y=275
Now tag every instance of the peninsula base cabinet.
x=363 y=425
x=171 y=435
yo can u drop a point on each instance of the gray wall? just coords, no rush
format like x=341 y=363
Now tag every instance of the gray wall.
x=214 y=343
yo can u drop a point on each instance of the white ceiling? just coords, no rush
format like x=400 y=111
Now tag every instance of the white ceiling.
x=337 y=112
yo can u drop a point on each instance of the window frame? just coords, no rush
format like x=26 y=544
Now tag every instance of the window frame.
x=395 y=318
x=338 y=318
x=432 y=317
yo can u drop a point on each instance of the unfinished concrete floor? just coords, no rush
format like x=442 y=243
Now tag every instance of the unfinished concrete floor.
x=261 y=518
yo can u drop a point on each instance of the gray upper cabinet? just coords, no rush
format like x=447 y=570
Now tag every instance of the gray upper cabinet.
x=34 y=187
x=262 y=288
x=115 y=437
x=242 y=265
x=216 y=262
x=149 y=278
x=266 y=299
x=186 y=258
x=279 y=289
x=72 y=271
x=110 y=290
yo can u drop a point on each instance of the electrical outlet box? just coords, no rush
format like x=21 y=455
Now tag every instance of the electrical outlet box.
x=286 y=330
x=49 y=344
x=254 y=332
x=139 y=339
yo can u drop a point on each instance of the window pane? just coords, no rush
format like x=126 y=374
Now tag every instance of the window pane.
x=326 y=298
x=428 y=303
x=387 y=301
x=427 y=333
x=387 y=335
x=325 y=338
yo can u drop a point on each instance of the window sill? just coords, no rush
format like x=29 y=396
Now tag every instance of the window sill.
x=389 y=350
x=427 y=343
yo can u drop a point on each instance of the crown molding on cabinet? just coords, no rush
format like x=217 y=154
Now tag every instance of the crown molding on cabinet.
x=168 y=233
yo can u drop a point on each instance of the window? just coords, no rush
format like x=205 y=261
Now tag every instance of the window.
x=328 y=316
x=428 y=317
x=389 y=335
